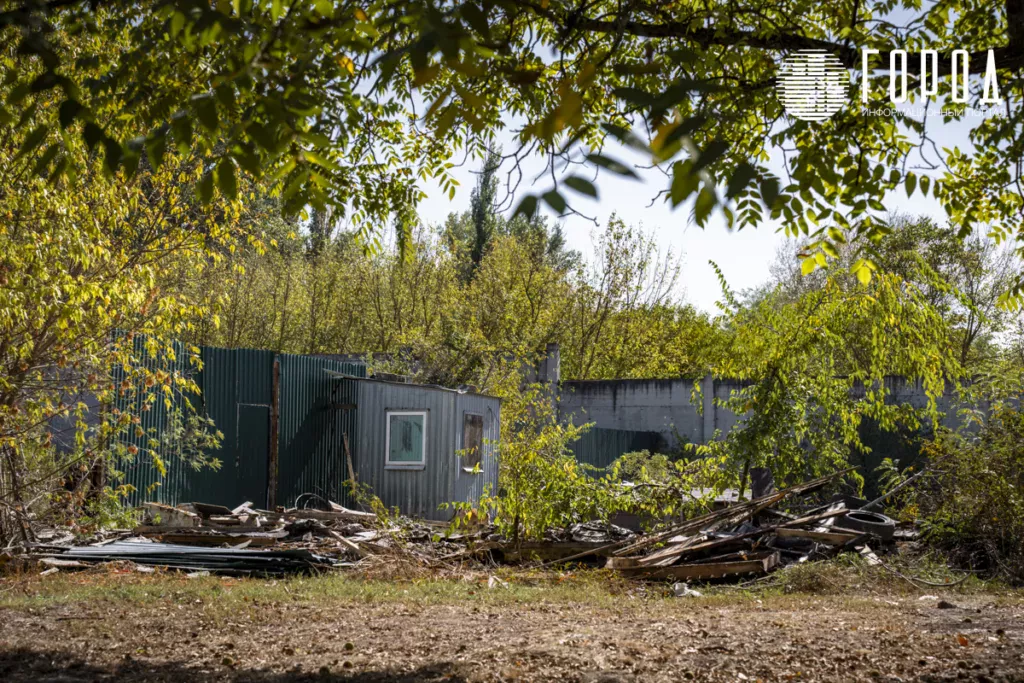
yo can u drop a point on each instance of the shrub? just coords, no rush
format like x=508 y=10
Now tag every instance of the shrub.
x=972 y=500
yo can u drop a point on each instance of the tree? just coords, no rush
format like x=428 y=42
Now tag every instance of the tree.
x=482 y=207
x=963 y=279
x=325 y=99
x=469 y=235
x=86 y=326
x=816 y=367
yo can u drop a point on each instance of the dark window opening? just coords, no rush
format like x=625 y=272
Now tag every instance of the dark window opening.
x=472 y=439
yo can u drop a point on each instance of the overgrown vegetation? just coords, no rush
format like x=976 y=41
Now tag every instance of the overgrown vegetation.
x=136 y=222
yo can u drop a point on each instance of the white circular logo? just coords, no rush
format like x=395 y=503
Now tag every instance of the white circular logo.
x=812 y=84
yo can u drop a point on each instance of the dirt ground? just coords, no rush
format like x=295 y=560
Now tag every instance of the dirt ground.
x=132 y=628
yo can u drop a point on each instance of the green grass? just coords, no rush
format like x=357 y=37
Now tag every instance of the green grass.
x=592 y=587
x=848 y=577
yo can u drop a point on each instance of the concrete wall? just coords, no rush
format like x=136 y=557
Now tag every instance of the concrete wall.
x=666 y=406
x=649 y=405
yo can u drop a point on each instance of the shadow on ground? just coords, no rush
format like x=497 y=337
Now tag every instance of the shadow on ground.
x=50 y=666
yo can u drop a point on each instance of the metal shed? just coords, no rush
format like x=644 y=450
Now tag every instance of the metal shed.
x=420 y=446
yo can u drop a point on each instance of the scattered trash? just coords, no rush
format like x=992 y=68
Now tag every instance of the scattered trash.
x=682 y=590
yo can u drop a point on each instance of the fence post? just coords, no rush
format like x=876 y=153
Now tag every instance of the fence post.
x=708 y=407
x=275 y=416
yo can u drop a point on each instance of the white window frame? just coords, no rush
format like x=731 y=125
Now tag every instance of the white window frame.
x=403 y=465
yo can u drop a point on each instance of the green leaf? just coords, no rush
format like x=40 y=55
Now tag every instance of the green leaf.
x=626 y=137
x=769 y=191
x=910 y=183
x=807 y=266
x=112 y=157
x=44 y=160
x=226 y=180
x=206 y=112
x=706 y=201
x=181 y=128
x=92 y=134
x=711 y=153
x=612 y=165
x=156 y=148
x=743 y=174
x=33 y=140
x=925 y=183
x=684 y=182
x=582 y=185
x=68 y=111
x=555 y=200
x=527 y=207
x=205 y=187
x=476 y=18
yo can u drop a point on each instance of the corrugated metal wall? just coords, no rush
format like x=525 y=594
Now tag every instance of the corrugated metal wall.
x=315 y=414
x=236 y=386
x=316 y=411
x=141 y=472
x=420 y=492
x=600 y=447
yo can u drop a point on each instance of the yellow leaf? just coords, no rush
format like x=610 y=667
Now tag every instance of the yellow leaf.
x=347 y=64
x=864 y=275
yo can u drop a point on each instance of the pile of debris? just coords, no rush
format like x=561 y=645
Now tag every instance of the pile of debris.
x=753 y=537
x=211 y=538
x=741 y=538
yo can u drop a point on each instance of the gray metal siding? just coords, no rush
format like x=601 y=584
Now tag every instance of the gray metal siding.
x=414 y=492
x=468 y=486
x=422 y=492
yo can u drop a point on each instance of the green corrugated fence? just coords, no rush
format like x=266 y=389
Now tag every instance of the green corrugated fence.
x=237 y=393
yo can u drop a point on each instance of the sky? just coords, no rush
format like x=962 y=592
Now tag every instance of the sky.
x=744 y=256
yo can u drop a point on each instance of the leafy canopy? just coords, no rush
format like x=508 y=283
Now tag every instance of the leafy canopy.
x=353 y=105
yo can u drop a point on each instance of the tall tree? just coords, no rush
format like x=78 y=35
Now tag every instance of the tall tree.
x=470 y=234
x=482 y=206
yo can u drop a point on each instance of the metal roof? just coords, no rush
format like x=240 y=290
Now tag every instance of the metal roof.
x=436 y=387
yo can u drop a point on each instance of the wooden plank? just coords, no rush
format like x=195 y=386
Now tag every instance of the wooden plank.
x=347 y=543
x=756 y=563
x=208 y=510
x=718 y=543
x=829 y=537
x=630 y=546
x=668 y=555
x=351 y=469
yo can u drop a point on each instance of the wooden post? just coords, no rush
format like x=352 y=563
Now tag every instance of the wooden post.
x=275 y=418
x=351 y=470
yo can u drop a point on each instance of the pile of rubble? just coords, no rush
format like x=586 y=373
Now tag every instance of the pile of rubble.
x=741 y=538
x=212 y=538
x=755 y=537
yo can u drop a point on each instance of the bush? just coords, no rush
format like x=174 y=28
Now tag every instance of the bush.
x=972 y=501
